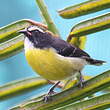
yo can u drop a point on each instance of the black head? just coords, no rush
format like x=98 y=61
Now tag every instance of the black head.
x=39 y=36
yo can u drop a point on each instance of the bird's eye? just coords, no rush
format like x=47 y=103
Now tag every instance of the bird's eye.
x=30 y=28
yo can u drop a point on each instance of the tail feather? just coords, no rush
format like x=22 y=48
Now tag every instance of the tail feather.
x=94 y=61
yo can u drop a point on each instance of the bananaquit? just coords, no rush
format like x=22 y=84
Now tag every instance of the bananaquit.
x=52 y=57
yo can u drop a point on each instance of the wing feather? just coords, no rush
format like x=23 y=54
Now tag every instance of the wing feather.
x=65 y=49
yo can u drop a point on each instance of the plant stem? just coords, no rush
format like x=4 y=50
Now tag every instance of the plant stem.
x=45 y=14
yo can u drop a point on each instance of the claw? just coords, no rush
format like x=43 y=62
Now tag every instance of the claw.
x=81 y=84
x=47 y=98
x=51 y=92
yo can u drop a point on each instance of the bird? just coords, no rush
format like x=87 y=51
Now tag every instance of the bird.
x=53 y=58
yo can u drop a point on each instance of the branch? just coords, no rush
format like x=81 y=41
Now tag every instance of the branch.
x=70 y=95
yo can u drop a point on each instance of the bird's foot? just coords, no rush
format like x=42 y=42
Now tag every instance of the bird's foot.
x=81 y=83
x=51 y=92
x=47 y=97
x=81 y=80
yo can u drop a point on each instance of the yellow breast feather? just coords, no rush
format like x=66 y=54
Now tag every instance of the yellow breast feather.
x=50 y=65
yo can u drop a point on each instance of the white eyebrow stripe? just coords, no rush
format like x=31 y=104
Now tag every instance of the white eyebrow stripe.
x=32 y=28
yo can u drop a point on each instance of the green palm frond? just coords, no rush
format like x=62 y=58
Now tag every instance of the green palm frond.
x=11 y=43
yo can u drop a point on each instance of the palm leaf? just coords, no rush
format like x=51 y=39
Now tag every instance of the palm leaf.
x=21 y=86
x=70 y=95
x=12 y=43
x=84 y=8
x=90 y=26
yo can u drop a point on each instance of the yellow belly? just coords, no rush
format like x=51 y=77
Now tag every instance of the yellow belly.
x=49 y=64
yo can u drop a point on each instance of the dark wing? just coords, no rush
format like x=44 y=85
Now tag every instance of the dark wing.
x=65 y=49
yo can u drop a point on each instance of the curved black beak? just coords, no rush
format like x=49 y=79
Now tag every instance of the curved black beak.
x=25 y=32
x=22 y=31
